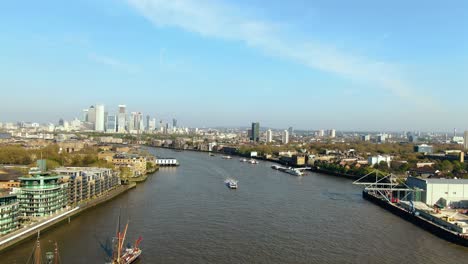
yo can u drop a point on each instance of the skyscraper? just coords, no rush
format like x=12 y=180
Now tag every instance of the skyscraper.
x=99 y=125
x=269 y=136
x=255 y=132
x=92 y=115
x=111 y=124
x=290 y=131
x=285 y=137
x=174 y=123
x=332 y=133
x=122 y=119
x=84 y=115
x=148 y=120
x=465 y=142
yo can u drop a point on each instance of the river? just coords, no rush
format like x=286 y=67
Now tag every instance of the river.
x=187 y=215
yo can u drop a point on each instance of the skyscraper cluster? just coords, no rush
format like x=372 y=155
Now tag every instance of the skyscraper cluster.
x=98 y=119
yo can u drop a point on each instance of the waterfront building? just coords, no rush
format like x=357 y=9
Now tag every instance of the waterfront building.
x=465 y=140
x=9 y=210
x=41 y=195
x=136 y=163
x=167 y=162
x=423 y=149
x=100 y=118
x=85 y=183
x=285 y=137
x=111 y=124
x=269 y=136
x=442 y=192
x=255 y=134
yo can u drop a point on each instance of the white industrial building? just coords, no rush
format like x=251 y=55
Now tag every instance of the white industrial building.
x=443 y=192
x=379 y=158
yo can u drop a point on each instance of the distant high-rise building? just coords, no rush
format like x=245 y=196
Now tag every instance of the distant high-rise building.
x=92 y=115
x=332 y=133
x=136 y=122
x=174 y=123
x=61 y=122
x=465 y=142
x=122 y=119
x=148 y=119
x=152 y=125
x=290 y=131
x=99 y=124
x=111 y=124
x=255 y=136
x=84 y=115
x=321 y=133
x=269 y=136
x=285 y=137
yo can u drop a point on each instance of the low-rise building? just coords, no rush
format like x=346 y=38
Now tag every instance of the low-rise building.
x=166 y=162
x=378 y=159
x=135 y=162
x=423 y=149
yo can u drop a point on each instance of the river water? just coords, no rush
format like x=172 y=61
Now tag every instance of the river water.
x=187 y=215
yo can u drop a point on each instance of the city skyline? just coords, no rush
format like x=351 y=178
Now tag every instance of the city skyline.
x=359 y=70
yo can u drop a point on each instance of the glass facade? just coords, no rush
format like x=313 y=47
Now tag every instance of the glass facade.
x=9 y=208
x=40 y=196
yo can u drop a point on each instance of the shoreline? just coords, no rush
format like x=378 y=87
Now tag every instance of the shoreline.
x=29 y=232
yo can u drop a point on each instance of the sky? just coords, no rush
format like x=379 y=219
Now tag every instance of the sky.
x=348 y=65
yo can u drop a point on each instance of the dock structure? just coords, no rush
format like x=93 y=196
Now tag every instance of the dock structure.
x=403 y=200
x=167 y=162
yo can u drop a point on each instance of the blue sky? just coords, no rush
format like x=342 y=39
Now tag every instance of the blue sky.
x=354 y=65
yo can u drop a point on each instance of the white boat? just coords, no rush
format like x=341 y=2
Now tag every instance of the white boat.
x=232 y=184
x=227 y=157
x=293 y=171
x=243 y=160
x=252 y=161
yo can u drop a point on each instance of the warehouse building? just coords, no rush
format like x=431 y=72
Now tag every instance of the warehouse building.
x=441 y=192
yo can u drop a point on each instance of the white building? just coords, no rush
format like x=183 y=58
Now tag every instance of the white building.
x=269 y=136
x=332 y=133
x=285 y=137
x=377 y=159
x=167 y=162
x=99 y=125
x=321 y=133
x=443 y=192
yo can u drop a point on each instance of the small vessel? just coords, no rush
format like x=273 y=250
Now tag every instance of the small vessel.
x=293 y=171
x=212 y=155
x=252 y=161
x=227 y=157
x=232 y=184
x=123 y=255
x=275 y=167
x=50 y=257
x=243 y=160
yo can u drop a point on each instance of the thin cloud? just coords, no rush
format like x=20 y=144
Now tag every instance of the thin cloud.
x=113 y=63
x=217 y=19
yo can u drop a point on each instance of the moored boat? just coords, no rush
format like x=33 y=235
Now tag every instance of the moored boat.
x=123 y=255
x=232 y=184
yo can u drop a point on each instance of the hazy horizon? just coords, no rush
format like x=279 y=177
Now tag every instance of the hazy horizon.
x=362 y=65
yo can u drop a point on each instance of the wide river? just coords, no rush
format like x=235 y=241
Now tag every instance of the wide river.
x=187 y=215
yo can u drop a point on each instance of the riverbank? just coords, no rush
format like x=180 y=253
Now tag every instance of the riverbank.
x=29 y=232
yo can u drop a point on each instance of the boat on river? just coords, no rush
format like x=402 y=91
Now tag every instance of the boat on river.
x=253 y=161
x=227 y=157
x=126 y=255
x=232 y=184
